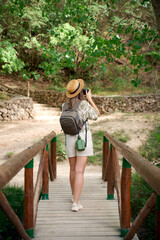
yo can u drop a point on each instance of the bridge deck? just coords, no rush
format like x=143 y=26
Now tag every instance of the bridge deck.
x=99 y=220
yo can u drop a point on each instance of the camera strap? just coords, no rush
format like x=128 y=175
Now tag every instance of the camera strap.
x=84 y=123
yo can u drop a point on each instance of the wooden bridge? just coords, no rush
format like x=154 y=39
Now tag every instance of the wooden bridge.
x=106 y=213
x=98 y=220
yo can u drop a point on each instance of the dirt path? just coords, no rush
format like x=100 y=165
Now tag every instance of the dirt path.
x=16 y=136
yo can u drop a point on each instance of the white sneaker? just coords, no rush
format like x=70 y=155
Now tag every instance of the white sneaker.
x=80 y=206
x=75 y=207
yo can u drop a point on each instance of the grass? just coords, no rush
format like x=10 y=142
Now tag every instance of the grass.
x=56 y=88
x=148 y=117
x=97 y=145
x=122 y=136
x=50 y=87
x=97 y=138
x=156 y=117
x=4 y=96
x=9 y=154
x=151 y=148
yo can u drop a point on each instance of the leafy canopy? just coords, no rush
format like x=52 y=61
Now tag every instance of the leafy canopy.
x=72 y=37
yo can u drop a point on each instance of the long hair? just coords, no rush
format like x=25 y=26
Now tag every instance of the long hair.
x=73 y=100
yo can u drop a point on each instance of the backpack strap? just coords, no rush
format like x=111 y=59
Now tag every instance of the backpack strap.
x=85 y=131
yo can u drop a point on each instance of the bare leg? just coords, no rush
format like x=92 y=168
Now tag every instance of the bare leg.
x=79 y=177
x=72 y=162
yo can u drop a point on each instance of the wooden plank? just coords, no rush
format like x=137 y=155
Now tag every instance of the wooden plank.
x=75 y=233
x=80 y=238
x=85 y=228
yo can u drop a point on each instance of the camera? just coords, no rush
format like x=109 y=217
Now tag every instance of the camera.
x=85 y=90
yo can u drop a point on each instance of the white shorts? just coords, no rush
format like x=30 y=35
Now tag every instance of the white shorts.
x=70 y=145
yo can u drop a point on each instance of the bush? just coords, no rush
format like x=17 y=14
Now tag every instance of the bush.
x=61 y=153
x=140 y=192
x=15 y=197
x=8 y=58
x=150 y=149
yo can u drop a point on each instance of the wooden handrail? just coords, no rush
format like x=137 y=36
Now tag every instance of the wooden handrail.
x=148 y=171
x=11 y=167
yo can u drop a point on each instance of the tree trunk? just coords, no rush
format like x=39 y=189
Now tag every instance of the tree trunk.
x=156 y=8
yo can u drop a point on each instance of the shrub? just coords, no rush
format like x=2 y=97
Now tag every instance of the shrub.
x=15 y=197
x=140 y=192
x=8 y=58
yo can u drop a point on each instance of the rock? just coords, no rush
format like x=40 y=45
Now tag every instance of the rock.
x=2 y=105
x=3 y=110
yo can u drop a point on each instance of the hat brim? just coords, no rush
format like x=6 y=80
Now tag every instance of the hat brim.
x=69 y=95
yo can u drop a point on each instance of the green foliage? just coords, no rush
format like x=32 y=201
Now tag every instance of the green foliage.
x=60 y=41
x=151 y=148
x=61 y=154
x=8 y=58
x=15 y=197
x=140 y=192
x=9 y=154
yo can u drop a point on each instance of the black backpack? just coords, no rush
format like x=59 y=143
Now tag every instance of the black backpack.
x=70 y=120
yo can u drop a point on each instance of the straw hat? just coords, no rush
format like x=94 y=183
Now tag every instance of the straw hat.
x=74 y=87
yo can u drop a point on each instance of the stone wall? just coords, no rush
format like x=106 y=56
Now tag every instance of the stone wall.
x=135 y=103
x=18 y=108
x=106 y=104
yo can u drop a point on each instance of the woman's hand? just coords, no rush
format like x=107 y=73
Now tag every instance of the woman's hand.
x=88 y=95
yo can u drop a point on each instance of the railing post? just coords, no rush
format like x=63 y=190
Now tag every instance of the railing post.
x=125 y=197
x=110 y=185
x=117 y=177
x=45 y=182
x=105 y=158
x=158 y=217
x=28 y=200
x=53 y=157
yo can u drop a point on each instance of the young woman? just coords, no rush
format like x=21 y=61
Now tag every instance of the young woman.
x=78 y=159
